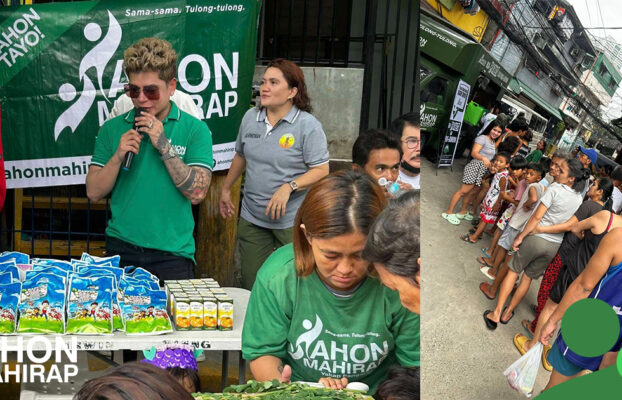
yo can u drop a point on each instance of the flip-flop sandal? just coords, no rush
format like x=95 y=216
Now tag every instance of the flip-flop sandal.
x=472 y=231
x=492 y=325
x=468 y=217
x=526 y=324
x=461 y=216
x=485 y=251
x=466 y=238
x=481 y=288
x=519 y=342
x=486 y=271
x=482 y=261
x=451 y=218
x=545 y=354
x=508 y=320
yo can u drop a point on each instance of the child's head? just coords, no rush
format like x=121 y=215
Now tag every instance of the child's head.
x=187 y=377
x=492 y=167
x=402 y=383
x=502 y=161
x=180 y=362
x=134 y=380
x=518 y=165
x=534 y=173
x=509 y=144
x=545 y=163
x=541 y=145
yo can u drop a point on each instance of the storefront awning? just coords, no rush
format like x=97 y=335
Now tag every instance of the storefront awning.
x=519 y=87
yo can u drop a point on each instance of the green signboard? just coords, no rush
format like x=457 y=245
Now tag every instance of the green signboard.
x=61 y=70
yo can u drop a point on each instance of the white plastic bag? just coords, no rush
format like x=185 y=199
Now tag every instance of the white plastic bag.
x=522 y=373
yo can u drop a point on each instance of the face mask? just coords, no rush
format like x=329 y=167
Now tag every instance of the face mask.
x=409 y=168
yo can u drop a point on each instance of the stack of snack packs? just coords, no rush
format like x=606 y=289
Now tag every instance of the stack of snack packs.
x=42 y=303
x=115 y=274
x=143 y=304
x=89 y=304
x=97 y=296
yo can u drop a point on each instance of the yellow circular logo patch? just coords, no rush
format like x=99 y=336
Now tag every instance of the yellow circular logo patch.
x=286 y=141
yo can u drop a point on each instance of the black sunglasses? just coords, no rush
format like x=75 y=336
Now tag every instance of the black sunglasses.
x=152 y=92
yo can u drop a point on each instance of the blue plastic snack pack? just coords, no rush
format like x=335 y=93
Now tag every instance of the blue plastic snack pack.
x=9 y=298
x=20 y=258
x=140 y=273
x=53 y=263
x=47 y=268
x=117 y=321
x=144 y=311
x=97 y=269
x=129 y=281
x=93 y=260
x=89 y=305
x=10 y=267
x=42 y=304
x=77 y=263
x=6 y=278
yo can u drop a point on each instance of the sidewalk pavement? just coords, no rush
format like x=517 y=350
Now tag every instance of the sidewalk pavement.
x=461 y=358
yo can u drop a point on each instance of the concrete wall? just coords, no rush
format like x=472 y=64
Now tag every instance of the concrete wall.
x=336 y=95
x=542 y=86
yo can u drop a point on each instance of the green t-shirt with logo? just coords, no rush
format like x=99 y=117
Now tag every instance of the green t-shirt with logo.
x=147 y=210
x=321 y=335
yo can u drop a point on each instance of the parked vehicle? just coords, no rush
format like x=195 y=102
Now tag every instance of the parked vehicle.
x=449 y=55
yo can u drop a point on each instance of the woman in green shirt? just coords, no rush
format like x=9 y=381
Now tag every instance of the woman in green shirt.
x=314 y=314
x=536 y=155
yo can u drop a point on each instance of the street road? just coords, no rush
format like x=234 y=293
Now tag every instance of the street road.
x=461 y=359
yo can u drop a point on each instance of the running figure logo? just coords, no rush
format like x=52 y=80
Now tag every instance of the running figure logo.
x=313 y=332
x=97 y=58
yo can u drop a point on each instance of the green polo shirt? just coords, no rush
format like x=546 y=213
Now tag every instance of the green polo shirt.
x=147 y=210
x=320 y=335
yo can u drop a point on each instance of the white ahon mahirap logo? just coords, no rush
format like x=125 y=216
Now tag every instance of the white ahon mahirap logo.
x=38 y=350
x=98 y=57
x=334 y=358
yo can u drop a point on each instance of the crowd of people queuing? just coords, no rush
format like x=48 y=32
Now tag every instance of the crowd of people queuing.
x=552 y=217
x=304 y=235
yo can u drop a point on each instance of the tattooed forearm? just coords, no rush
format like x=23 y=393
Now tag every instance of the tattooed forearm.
x=162 y=144
x=192 y=182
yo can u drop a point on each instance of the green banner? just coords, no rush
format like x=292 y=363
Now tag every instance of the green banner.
x=61 y=70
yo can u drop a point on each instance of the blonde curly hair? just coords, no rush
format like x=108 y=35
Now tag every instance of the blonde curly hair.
x=151 y=55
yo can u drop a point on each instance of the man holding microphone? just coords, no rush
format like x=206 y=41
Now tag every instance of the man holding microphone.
x=151 y=224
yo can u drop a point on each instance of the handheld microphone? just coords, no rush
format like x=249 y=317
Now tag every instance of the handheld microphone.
x=129 y=156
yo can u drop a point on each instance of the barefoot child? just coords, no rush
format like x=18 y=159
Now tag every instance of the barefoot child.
x=492 y=202
x=525 y=207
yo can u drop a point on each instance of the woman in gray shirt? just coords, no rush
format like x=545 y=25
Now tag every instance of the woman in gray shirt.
x=560 y=201
x=283 y=150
